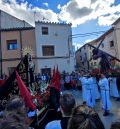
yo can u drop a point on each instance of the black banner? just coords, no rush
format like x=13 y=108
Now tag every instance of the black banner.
x=10 y=87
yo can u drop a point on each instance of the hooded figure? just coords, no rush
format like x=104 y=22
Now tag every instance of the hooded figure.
x=104 y=88
x=55 y=94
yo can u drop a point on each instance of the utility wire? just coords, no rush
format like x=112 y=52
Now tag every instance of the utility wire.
x=87 y=34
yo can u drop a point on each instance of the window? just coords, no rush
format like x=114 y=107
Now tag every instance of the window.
x=48 y=50
x=111 y=44
x=84 y=47
x=85 y=56
x=11 y=44
x=44 y=30
x=80 y=57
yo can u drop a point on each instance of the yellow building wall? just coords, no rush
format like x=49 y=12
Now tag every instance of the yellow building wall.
x=9 y=56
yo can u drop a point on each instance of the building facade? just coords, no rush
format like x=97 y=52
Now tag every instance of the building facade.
x=15 y=36
x=54 y=47
x=13 y=44
x=116 y=27
x=8 y=21
x=82 y=58
x=110 y=44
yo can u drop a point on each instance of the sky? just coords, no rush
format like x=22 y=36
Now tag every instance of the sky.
x=86 y=16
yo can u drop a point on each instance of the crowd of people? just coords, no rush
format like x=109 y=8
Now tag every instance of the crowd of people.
x=14 y=116
x=17 y=116
x=100 y=87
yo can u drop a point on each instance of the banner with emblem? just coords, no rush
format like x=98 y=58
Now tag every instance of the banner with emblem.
x=10 y=87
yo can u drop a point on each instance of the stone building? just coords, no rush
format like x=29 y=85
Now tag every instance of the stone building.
x=54 y=46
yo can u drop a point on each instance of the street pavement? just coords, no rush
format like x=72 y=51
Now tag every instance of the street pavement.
x=114 y=112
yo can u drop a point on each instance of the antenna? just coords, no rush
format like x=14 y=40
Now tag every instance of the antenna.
x=34 y=15
x=44 y=18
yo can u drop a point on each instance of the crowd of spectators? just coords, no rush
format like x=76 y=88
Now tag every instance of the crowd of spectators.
x=14 y=116
x=73 y=117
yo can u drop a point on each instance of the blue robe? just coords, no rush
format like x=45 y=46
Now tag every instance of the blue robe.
x=96 y=91
x=90 y=92
x=113 y=87
x=104 y=87
x=84 y=88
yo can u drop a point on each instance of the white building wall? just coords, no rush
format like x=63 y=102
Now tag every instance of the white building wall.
x=117 y=38
x=63 y=64
x=105 y=46
x=106 y=42
x=84 y=57
x=58 y=35
x=8 y=21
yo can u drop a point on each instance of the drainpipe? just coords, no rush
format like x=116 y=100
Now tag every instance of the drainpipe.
x=69 y=45
x=21 y=43
x=0 y=48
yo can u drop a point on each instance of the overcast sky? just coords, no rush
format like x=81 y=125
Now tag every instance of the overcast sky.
x=86 y=16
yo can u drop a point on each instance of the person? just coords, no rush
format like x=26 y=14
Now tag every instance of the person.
x=48 y=77
x=67 y=81
x=67 y=103
x=90 y=91
x=115 y=125
x=44 y=78
x=62 y=82
x=84 y=117
x=16 y=106
x=104 y=88
x=4 y=76
x=31 y=67
x=79 y=85
x=83 y=80
x=54 y=98
x=12 y=123
x=97 y=93
x=113 y=88
x=73 y=81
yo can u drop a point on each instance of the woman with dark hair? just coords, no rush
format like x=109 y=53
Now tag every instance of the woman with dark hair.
x=84 y=117
x=12 y=123
x=115 y=125
x=16 y=111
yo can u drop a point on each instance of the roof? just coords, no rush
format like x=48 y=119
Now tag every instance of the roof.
x=106 y=33
x=18 y=29
x=86 y=44
x=98 y=39
x=118 y=20
x=16 y=18
x=55 y=23
x=81 y=47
